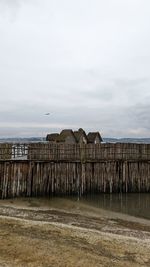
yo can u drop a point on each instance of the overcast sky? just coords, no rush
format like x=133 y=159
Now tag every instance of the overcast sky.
x=87 y=62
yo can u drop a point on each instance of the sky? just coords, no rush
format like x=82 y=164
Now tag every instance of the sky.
x=86 y=62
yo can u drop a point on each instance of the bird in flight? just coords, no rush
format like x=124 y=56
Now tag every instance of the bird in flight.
x=47 y=114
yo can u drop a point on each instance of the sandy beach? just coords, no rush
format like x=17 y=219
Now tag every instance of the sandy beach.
x=61 y=232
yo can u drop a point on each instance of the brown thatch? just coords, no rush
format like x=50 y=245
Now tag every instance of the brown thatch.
x=92 y=137
x=80 y=134
x=64 y=134
x=52 y=137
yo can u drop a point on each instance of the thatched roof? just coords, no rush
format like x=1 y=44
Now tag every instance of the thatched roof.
x=52 y=137
x=78 y=134
x=64 y=134
x=92 y=136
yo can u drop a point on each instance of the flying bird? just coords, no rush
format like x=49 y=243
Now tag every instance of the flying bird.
x=47 y=114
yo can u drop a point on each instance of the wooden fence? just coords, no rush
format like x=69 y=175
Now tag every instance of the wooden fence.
x=33 y=178
x=52 y=169
x=13 y=151
x=67 y=152
x=89 y=152
x=5 y=151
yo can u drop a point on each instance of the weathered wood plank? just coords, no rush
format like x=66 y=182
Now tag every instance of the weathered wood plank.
x=39 y=178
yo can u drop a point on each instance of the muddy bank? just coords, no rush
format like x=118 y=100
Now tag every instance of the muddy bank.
x=61 y=232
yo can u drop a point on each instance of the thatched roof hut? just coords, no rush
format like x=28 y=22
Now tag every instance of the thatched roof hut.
x=52 y=137
x=80 y=136
x=94 y=138
x=76 y=137
x=67 y=136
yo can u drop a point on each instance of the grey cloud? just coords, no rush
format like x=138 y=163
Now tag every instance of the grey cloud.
x=86 y=62
x=11 y=3
x=10 y=8
x=141 y=115
x=131 y=82
x=100 y=93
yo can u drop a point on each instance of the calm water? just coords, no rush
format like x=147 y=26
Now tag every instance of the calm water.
x=133 y=204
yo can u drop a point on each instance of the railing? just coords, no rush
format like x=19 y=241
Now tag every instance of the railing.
x=13 y=151
x=19 y=151
x=89 y=152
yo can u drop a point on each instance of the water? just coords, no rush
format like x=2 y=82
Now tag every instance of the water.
x=137 y=205
x=133 y=204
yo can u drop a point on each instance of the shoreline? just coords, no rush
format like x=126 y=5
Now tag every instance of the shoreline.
x=62 y=231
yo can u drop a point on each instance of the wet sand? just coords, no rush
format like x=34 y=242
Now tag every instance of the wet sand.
x=60 y=232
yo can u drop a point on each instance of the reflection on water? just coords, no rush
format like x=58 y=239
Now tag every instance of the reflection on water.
x=132 y=204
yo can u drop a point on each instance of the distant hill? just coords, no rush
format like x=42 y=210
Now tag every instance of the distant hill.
x=22 y=140
x=106 y=140
x=127 y=140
